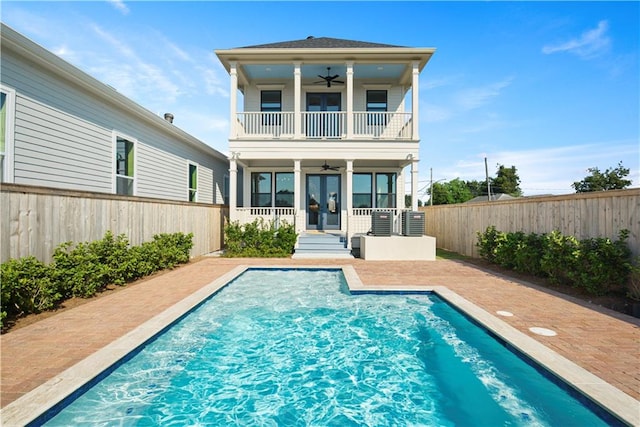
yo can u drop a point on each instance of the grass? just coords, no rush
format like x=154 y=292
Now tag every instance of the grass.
x=445 y=254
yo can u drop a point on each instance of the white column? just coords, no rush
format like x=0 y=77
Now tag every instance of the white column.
x=414 y=185
x=233 y=102
x=233 y=188
x=415 y=90
x=349 y=100
x=349 y=200
x=297 y=99
x=297 y=195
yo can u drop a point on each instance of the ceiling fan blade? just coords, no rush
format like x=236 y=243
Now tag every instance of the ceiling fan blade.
x=335 y=77
x=338 y=81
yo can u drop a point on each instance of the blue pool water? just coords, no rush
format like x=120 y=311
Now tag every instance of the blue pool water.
x=294 y=348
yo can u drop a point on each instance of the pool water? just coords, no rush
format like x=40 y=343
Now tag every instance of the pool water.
x=294 y=348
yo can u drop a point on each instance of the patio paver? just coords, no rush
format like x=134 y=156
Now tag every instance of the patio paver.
x=603 y=342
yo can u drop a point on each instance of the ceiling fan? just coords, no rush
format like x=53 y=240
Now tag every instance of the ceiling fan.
x=329 y=78
x=326 y=167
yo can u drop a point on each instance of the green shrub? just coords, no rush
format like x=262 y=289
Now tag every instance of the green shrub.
x=603 y=265
x=78 y=270
x=488 y=243
x=560 y=258
x=259 y=239
x=597 y=265
x=27 y=287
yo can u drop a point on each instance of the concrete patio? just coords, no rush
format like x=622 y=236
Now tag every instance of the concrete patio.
x=605 y=343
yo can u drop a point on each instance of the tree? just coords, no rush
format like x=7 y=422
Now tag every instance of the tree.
x=477 y=188
x=611 y=179
x=454 y=191
x=506 y=181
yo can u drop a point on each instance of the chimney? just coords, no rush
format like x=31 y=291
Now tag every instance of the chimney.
x=168 y=117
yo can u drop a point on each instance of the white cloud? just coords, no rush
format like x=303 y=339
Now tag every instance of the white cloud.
x=472 y=98
x=120 y=6
x=590 y=44
x=550 y=170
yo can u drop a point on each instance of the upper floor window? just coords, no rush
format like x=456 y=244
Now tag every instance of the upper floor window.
x=377 y=103
x=124 y=166
x=385 y=190
x=362 y=194
x=260 y=189
x=271 y=102
x=193 y=182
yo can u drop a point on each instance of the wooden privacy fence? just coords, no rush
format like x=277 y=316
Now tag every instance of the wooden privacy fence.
x=584 y=215
x=34 y=220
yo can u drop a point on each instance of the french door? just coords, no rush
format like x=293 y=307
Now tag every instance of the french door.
x=328 y=122
x=323 y=202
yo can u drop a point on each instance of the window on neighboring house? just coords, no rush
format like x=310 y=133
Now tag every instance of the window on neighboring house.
x=193 y=183
x=124 y=166
x=362 y=194
x=225 y=189
x=385 y=190
x=284 y=189
x=3 y=133
x=271 y=102
x=377 y=103
x=261 y=189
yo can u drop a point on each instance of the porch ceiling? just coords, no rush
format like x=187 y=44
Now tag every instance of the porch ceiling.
x=388 y=71
x=317 y=164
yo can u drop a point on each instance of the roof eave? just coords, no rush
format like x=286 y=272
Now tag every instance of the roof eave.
x=269 y=55
x=14 y=41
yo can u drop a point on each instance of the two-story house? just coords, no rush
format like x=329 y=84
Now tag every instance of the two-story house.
x=322 y=130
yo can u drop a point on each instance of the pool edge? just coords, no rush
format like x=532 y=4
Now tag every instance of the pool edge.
x=36 y=403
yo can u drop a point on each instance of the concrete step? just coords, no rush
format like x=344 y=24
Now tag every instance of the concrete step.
x=321 y=245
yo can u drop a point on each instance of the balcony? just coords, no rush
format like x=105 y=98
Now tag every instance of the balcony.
x=323 y=125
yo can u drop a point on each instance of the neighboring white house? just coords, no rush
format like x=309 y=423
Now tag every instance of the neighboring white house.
x=322 y=129
x=64 y=129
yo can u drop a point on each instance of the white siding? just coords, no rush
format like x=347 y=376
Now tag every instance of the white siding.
x=63 y=139
x=53 y=148
x=205 y=185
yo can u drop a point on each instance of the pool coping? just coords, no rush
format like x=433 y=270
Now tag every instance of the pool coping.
x=32 y=405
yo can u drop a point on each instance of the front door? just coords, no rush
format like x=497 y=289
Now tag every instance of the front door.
x=326 y=124
x=323 y=202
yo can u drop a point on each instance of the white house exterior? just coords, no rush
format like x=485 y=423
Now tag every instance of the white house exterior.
x=62 y=128
x=321 y=131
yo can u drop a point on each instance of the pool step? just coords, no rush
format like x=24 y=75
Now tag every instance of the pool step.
x=321 y=245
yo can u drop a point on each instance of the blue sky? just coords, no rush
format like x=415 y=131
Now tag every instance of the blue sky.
x=551 y=88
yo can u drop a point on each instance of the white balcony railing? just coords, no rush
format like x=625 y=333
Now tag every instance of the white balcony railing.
x=274 y=125
x=382 y=125
x=324 y=125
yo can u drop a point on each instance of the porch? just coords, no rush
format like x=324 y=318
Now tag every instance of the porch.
x=355 y=221
x=324 y=125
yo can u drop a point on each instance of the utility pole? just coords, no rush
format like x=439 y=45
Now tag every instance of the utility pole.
x=486 y=173
x=431 y=187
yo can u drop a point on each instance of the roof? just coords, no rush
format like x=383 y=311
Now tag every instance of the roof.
x=494 y=197
x=21 y=45
x=312 y=42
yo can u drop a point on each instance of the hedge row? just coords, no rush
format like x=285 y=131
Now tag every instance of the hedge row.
x=598 y=265
x=82 y=270
x=259 y=239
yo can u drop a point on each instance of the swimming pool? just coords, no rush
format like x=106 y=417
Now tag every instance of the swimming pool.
x=295 y=348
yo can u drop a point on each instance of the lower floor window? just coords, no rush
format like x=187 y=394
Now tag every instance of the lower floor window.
x=386 y=190
x=261 y=189
x=264 y=188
